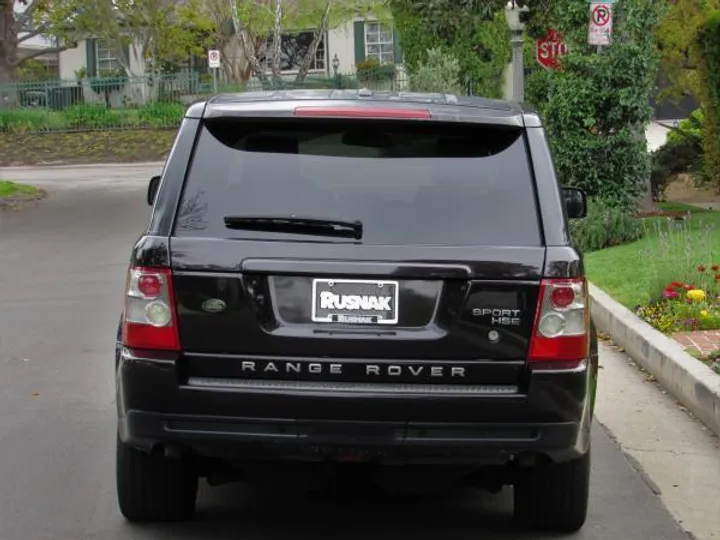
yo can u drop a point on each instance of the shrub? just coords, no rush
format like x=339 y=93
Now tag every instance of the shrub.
x=161 y=114
x=604 y=226
x=439 y=72
x=596 y=107
x=92 y=116
x=708 y=41
x=690 y=127
x=30 y=120
x=681 y=155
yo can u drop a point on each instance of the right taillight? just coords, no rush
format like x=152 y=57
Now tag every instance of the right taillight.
x=560 y=336
x=150 y=321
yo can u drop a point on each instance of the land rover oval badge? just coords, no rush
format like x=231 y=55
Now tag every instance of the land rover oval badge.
x=213 y=305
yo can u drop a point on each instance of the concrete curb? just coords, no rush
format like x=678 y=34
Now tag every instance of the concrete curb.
x=689 y=381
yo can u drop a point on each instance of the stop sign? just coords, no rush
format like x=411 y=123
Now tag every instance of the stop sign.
x=549 y=50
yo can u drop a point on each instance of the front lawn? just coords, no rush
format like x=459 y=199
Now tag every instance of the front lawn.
x=675 y=257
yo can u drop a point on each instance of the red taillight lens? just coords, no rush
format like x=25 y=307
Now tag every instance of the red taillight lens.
x=562 y=297
x=150 y=321
x=562 y=324
x=362 y=112
x=150 y=285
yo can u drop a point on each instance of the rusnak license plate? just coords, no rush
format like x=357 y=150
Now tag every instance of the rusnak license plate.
x=355 y=301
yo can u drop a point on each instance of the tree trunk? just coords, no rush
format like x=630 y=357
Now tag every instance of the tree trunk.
x=277 y=42
x=250 y=54
x=8 y=53
x=312 y=50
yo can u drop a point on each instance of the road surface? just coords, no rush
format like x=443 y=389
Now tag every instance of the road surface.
x=62 y=270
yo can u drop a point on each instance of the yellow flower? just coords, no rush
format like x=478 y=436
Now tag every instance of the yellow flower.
x=704 y=313
x=696 y=295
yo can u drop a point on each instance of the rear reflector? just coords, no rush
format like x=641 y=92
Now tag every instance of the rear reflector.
x=562 y=325
x=362 y=112
x=150 y=321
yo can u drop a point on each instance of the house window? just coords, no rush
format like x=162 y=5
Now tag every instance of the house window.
x=107 y=61
x=293 y=48
x=379 y=43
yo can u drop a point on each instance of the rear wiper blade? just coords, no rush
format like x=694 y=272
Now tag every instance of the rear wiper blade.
x=297 y=225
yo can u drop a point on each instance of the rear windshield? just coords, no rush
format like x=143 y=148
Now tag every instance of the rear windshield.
x=407 y=182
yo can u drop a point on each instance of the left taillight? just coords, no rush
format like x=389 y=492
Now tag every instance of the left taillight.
x=150 y=320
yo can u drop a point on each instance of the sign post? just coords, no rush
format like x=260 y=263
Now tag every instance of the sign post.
x=600 y=30
x=214 y=64
x=550 y=49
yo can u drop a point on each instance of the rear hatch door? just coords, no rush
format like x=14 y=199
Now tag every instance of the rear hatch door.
x=383 y=243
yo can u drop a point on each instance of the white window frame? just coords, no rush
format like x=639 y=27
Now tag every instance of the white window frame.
x=111 y=59
x=379 y=56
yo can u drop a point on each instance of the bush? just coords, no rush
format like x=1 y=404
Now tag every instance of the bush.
x=689 y=127
x=161 y=114
x=681 y=155
x=440 y=72
x=605 y=226
x=91 y=117
x=708 y=41
x=595 y=108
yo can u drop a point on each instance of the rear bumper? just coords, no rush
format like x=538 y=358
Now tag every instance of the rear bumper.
x=235 y=420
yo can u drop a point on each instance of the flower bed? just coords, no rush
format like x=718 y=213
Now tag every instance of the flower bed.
x=687 y=307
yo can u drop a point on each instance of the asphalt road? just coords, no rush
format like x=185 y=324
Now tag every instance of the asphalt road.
x=62 y=267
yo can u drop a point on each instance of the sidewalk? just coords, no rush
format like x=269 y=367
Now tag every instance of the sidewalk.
x=677 y=455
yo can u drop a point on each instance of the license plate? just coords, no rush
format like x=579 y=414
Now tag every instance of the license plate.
x=357 y=301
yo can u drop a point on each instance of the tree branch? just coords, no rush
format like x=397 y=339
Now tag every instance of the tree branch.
x=32 y=33
x=40 y=52
x=22 y=19
x=314 y=44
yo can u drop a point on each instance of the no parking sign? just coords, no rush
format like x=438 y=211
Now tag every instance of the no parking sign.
x=213 y=59
x=600 y=23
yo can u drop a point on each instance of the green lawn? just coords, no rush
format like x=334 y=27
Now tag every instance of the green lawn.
x=627 y=272
x=11 y=189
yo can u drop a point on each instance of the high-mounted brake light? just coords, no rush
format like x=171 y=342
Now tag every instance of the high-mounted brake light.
x=150 y=321
x=562 y=324
x=362 y=112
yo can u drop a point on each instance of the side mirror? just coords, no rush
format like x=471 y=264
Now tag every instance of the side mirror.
x=575 y=203
x=153 y=189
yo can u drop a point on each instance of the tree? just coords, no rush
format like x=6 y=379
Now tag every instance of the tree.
x=19 y=22
x=472 y=31
x=677 y=43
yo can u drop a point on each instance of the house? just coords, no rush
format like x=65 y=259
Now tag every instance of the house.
x=344 y=47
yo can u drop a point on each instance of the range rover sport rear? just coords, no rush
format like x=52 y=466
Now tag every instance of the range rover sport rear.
x=335 y=277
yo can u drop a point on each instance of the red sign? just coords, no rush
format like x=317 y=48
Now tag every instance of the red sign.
x=549 y=50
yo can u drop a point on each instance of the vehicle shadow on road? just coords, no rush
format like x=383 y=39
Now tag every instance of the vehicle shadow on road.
x=248 y=512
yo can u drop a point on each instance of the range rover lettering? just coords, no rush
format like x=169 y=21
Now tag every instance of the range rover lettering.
x=340 y=279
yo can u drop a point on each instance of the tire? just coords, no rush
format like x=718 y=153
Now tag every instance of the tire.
x=554 y=496
x=153 y=488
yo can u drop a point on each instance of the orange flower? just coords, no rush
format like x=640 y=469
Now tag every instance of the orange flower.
x=701 y=268
x=716 y=267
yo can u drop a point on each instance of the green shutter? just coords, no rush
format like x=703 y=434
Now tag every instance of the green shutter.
x=397 y=52
x=91 y=61
x=126 y=51
x=359 y=31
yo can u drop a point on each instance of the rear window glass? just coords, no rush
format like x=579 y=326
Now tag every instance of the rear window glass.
x=407 y=182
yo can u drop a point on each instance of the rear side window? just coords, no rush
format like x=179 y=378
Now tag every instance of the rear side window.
x=407 y=182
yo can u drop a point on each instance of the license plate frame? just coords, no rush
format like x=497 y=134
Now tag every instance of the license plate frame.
x=361 y=292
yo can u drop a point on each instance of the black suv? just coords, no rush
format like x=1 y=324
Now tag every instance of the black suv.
x=353 y=279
